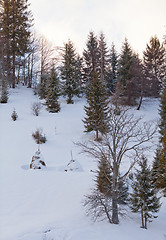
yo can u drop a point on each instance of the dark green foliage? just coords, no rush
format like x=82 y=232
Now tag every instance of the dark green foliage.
x=97 y=118
x=161 y=174
x=125 y=61
x=91 y=58
x=155 y=165
x=112 y=80
x=4 y=92
x=154 y=66
x=14 y=115
x=144 y=197
x=104 y=178
x=53 y=92
x=16 y=21
x=162 y=110
x=103 y=59
x=69 y=72
x=104 y=182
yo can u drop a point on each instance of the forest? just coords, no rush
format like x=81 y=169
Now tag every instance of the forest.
x=111 y=84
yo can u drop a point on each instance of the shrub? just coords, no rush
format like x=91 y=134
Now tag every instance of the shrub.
x=39 y=136
x=36 y=108
x=14 y=115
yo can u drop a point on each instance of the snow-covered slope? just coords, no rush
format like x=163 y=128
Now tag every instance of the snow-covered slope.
x=46 y=204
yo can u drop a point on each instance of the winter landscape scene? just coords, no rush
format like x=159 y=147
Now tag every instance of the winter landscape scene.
x=82 y=132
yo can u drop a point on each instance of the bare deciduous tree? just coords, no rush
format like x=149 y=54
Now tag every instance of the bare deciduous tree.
x=127 y=138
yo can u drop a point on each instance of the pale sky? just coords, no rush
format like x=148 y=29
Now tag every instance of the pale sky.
x=138 y=20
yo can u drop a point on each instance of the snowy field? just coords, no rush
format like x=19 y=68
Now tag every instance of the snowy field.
x=47 y=204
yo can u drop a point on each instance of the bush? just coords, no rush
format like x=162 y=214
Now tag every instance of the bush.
x=14 y=115
x=36 y=108
x=39 y=136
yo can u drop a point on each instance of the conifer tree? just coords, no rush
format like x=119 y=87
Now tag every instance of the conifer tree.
x=124 y=72
x=104 y=178
x=103 y=59
x=162 y=110
x=144 y=197
x=16 y=21
x=52 y=92
x=154 y=66
x=112 y=80
x=91 y=58
x=68 y=71
x=97 y=111
x=155 y=165
x=161 y=174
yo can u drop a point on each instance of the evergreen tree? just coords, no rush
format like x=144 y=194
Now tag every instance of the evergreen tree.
x=16 y=21
x=161 y=174
x=155 y=165
x=125 y=75
x=103 y=59
x=97 y=118
x=125 y=61
x=104 y=182
x=112 y=80
x=4 y=92
x=91 y=58
x=104 y=178
x=52 y=92
x=144 y=197
x=154 y=66
x=68 y=71
x=162 y=111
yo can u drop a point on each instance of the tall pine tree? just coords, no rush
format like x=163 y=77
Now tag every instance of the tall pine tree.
x=69 y=71
x=144 y=197
x=52 y=92
x=16 y=21
x=97 y=111
x=154 y=66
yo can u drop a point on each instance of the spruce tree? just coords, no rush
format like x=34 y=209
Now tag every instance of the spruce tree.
x=91 y=58
x=68 y=71
x=97 y=111
x=104 y=178
x=125 y=76
x=144 y=198
x=103 y=58
x=52 y=92
x=154 y=66
x=4 y=92
x=162 y=110
x=161 y=174
x=16 y=21
x=113 y=60
x=155 y=165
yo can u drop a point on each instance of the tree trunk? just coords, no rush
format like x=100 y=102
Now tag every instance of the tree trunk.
x=13 y=73
x=142 y=219
x=115 y=218
x=140 y=103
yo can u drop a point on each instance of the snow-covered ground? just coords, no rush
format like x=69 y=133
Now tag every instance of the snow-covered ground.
x=46 y=204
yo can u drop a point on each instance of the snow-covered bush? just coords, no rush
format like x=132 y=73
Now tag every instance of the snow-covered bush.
x=74 y=166
x=37 y=161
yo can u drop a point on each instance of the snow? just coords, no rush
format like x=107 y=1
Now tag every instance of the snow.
x=46 y=204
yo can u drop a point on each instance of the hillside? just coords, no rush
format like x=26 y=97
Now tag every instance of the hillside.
x=46 y=204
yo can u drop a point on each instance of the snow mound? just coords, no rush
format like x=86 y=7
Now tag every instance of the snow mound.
x=74 y=166
x=37 y=161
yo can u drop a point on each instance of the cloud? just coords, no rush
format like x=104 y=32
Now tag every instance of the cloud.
x=137 y=20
